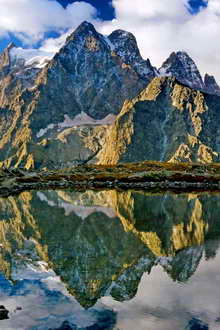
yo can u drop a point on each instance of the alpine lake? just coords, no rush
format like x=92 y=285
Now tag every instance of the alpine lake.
x=109 y=259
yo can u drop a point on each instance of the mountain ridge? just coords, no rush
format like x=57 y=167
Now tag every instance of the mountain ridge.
x=94 y=78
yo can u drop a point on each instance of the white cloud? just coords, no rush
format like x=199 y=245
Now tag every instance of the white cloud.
x=164 y=26
x=160 y=26
x=30 y=19
x=54 y=44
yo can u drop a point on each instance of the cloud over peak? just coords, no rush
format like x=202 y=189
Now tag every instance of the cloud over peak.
x=160 y=26
x=164 y=26
x=29 y=20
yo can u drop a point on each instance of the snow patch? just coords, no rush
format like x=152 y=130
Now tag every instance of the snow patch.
x=34 y=58
x=163 y=72
x=112 y=47
x=79 y=120
x=38 y=270
x=43 y=198
x=84 y=211
x=43 y=131
x=84 y=119
x=80 y=210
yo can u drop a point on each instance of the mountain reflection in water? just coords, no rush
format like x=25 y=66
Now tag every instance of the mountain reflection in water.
x=110 y=260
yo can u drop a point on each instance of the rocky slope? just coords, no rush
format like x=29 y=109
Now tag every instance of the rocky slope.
x=76 y=88
x=61 y=110
x=166 y=122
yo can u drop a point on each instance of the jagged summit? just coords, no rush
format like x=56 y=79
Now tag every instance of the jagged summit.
x=83 y=29
x=211 y=85
x=124 y=42
x=181 y=65
x=5 y=60
x=86 y=32
x=125 y=45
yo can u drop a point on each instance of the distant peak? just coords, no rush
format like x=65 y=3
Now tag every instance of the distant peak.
x=211 y=85
x=85 y=27
x=121 y=34
x=124 y=43
x=180 y=65
x=209 y=78
x=180 y=55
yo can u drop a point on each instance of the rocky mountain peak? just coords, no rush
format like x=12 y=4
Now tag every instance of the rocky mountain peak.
x=211 y=85
x=125 y=46
x=86 y=40
x=181 y=65
x=84 y=30
x=5 y=60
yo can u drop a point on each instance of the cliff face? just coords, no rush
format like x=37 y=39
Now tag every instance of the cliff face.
x=166 y=122
x=59 y=110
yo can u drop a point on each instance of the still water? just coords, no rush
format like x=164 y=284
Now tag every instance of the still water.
x=109 y=260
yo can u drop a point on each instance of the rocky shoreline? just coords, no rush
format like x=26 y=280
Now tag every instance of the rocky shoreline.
x=152 y=176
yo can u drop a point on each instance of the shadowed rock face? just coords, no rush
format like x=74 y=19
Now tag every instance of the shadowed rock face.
x=211 y=85
x=125 y=45
x=183 y=68
x=102 y=243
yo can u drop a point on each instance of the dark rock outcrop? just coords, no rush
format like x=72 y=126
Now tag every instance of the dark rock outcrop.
x=3 y=313
x=183 y=68
x=211 y=85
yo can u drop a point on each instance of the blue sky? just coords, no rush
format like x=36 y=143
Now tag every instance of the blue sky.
x=160 y=26
x=104 y=7
x=105 y=11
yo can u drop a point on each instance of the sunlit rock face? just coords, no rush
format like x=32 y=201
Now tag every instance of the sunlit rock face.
x=101 y=243
x=166 y=122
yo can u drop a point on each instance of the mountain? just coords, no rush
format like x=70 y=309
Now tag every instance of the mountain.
x=183 y=68
x=97 y=99
x=167 y=121
x=125 y=45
